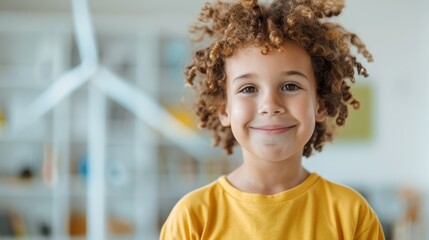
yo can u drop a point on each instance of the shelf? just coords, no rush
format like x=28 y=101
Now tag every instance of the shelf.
x=30 y=238
x=17 y=188
x=69 y=238
x=21 y=140
x=65 y=238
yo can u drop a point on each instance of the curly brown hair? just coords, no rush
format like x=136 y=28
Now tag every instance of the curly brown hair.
x=234 y=25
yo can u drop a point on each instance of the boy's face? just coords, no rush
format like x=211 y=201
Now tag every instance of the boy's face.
x=271 y=101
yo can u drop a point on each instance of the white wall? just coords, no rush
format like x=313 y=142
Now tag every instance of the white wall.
x=394 y=31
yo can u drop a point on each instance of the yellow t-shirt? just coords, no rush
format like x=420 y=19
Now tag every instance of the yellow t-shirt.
x=315 y=209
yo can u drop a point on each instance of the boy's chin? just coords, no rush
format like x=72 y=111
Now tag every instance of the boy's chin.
x=274 y=154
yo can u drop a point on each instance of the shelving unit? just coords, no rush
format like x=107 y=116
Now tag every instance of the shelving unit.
x=146 y=173
x=27 y=65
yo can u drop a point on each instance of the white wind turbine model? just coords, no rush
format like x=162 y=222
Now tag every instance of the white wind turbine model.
x=102 y=82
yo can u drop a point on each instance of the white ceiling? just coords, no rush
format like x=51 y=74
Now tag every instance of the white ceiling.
x=133 y=7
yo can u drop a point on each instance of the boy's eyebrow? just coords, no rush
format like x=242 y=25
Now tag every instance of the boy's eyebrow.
x=287 y=73
x=246 y=75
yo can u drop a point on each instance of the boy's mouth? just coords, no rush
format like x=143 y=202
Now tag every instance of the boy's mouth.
x=272 y=129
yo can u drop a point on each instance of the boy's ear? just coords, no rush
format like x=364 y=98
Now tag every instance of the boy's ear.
x=320 y=112
x=223 y=115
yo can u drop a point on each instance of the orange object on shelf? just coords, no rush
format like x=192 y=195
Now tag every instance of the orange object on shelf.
x=77 y=224
x=120 y=227
x=410 y=226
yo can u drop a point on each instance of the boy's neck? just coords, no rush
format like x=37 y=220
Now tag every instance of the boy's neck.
x=263 y=177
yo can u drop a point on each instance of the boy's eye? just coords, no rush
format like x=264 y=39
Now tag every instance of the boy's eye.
x=248 y=89
x=290 y=87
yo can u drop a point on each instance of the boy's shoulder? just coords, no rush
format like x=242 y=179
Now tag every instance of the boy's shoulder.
x=337 y=190
x=341 y=197
x=350 y=207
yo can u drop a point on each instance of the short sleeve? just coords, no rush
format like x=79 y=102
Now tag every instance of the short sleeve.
x=182 y=223
x=373 y=232
x=369 y=227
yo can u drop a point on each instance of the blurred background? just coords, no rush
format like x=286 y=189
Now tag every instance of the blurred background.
x=105 y=152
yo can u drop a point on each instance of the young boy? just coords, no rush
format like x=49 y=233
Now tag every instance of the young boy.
x=274 y=80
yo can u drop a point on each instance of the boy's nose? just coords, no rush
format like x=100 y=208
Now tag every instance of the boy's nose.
x=271 y=105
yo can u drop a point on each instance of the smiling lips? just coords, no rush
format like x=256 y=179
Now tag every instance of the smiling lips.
x=272 y=129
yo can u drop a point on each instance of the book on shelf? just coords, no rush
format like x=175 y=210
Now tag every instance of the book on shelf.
x=12 y=224
x=2 y=118
x=5 y=225
x=18 y=225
